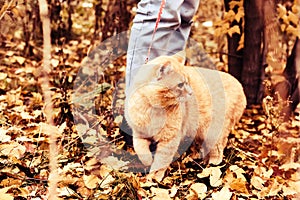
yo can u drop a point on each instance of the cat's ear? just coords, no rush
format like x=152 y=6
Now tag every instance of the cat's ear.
x=164 y=69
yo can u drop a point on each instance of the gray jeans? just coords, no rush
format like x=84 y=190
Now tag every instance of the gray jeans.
x=171 y=36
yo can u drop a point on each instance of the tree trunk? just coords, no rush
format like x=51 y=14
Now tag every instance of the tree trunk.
x=98 y=12
x=292 y=73
x=252 y=74
x=235 y=57
x=70 y=22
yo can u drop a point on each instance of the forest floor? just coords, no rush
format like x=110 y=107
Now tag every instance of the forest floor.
x=261 y=161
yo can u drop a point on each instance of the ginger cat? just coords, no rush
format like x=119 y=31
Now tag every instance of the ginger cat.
x=169 y=101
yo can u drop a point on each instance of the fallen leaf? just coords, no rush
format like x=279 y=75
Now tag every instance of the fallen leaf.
x=3 y=136
x=26 y=115
x=200 y=188
x=160 y=193
x=215 y=177
x=287 y=190
x=91 y=181
x=257 y=182
x=115 y=163
x=295 y=185
x=275 y=188
x=239 y=185
x=65 y=191
x=263 y=171
x=205 y=173
x=73 y=167
x=4 y=195
x=24 y=191
x=238 y=171
x=214 y=174
x=105 y=170
x=289 y=166
x=54 y=62
x=223 y=194
x=13 y=149
x=19 y=59
x=173 y=191
x=148 y=184
x=3 y=76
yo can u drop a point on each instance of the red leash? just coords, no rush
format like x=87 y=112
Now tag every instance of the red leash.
x=162 y=5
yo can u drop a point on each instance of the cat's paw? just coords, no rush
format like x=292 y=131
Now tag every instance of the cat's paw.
x=156 y=175
x=146 y=159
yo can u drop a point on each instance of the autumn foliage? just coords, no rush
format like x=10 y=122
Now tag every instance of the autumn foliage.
x=262 y=158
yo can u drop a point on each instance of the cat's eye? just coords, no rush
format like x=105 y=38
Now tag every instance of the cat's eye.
x=180 y=85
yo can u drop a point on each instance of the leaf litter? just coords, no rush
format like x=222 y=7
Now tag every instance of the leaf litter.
x=261 y=161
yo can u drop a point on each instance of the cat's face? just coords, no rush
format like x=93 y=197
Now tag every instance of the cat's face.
x=176 y=83
x=183 y=91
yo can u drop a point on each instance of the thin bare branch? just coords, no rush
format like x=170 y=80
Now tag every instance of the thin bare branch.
x=48 y=109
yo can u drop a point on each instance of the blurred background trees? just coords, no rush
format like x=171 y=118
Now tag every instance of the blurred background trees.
x=260 y=35
x=250 y=37
x=70 y=19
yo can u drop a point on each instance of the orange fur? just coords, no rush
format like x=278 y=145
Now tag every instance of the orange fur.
x=169 y=101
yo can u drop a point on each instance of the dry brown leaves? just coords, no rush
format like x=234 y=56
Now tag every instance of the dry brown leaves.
x=261 y=161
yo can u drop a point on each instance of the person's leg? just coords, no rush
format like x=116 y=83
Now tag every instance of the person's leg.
x=170 y=37
x=180 y=37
